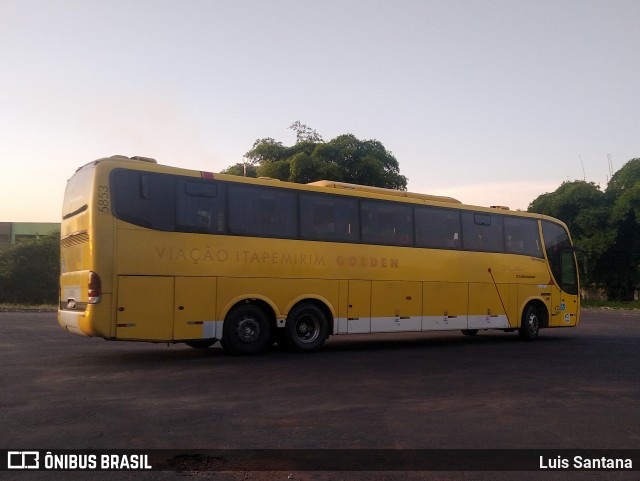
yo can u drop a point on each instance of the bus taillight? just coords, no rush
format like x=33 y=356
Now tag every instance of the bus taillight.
x=95 y=288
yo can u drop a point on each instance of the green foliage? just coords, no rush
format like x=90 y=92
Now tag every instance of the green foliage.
x=29 y=271
x=343 y=159
x=627 y=305
x=304 y=133
x=606 y=224
x=622 y=275
x=243 y=170
x=569 y=203
x=626 y=178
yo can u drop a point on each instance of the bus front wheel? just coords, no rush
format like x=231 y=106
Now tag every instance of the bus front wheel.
x=246 y=330
x=530 y=326
x=306 y=328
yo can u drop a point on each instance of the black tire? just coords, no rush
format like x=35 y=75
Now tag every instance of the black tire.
x=530 y=326
x=246 y=330
x=306 y=328
x=201 y=343
x=470 y=332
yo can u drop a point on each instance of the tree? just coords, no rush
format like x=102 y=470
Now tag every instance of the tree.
x=622 y=272
x=29 y=271
x=304 y=133
x=606 y=224
x=241 y=169
x=569 y=203
x=343 y=159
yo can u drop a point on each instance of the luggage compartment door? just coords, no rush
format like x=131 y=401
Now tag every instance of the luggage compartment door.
x=145 y=308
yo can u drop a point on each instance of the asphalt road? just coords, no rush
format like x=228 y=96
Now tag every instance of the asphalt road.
x=571 y=388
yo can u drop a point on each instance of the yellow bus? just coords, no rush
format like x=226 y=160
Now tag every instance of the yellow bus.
x=163 y=254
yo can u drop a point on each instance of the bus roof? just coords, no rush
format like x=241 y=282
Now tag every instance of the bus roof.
x=381 y=190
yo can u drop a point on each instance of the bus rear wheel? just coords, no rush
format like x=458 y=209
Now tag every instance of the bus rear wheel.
x=246 y=330
x=306 y=328
x=470 y=332
x=530 y=326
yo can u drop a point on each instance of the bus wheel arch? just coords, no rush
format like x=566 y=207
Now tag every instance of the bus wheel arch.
x=308 y=325
x=248 y=327
x=534 y=317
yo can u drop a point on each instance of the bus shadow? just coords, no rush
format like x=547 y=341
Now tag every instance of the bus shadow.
x=159 y=354
x=431 y=340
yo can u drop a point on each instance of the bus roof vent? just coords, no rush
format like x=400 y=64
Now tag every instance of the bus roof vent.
x=144 y=159
x=501 y=207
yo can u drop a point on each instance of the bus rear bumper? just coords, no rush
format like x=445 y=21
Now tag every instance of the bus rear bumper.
x=76 y=322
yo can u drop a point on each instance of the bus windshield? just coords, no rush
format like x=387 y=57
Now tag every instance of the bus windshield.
x=561 y=256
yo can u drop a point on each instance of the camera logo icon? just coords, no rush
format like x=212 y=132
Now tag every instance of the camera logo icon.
x=23 y=460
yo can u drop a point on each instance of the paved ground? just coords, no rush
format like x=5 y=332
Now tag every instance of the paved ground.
x=572 y=388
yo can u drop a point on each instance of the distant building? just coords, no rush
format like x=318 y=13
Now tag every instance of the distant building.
x=14 y=232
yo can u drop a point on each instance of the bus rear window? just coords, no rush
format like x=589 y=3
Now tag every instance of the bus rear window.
x=143 y=198
x=76 y=195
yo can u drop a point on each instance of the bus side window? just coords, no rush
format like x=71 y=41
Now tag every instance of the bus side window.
x=387 y=223
x=437 y=228
x=262 y=211
x=522 y=236
x=200 y=206
x=482 y=232
x=328 y=218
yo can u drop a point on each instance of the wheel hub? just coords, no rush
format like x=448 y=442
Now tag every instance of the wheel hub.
x=248 y=330
x=307 y=329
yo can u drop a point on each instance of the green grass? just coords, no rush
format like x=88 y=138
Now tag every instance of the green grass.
x=632 y=305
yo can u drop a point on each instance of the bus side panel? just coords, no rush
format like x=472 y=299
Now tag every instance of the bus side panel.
x=486 y=309
x=445 y=305
x=145 y=308
x=396 y=306
x=342 y=324
x=555 y=315
x=195 y=308
x=359 y=307
x=564 y=308
x=512 y=305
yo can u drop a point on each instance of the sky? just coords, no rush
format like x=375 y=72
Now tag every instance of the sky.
x=493 y=102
